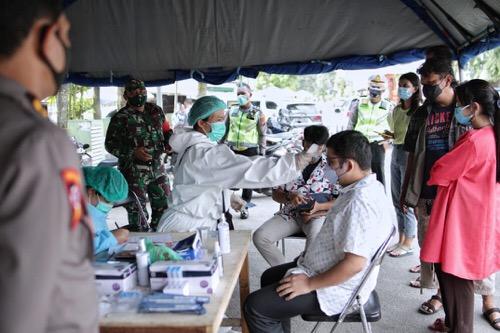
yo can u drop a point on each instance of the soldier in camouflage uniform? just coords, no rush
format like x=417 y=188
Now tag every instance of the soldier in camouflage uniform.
x=135 y=136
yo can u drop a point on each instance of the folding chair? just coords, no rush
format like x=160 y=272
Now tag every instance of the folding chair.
x=299 y=235
x=143 y=220
x=367 y=313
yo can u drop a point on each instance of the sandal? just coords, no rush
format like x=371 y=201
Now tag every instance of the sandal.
x=438 y=326
x=401 y=252
x=392 y=248
x=415 y=283
x=415 y=269
x=428 y=308
x=495 y=323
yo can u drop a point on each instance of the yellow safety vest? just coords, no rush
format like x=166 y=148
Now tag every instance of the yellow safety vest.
x=243 y=128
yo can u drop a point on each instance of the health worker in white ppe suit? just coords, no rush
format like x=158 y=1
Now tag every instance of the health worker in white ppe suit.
x=205 y=169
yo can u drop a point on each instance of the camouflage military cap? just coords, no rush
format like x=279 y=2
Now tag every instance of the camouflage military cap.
x=134 y=84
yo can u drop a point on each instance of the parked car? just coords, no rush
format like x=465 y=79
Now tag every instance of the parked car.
x=268 y=107
x=298 y=115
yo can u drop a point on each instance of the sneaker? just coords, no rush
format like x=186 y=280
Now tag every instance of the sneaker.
x=244 y=213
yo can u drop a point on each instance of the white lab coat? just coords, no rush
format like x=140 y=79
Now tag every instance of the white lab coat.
x=205 y=170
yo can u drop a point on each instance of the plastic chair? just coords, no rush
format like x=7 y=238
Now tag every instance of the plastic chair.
x=367 y=313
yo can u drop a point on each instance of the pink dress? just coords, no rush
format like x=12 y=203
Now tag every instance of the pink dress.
x=464 y=227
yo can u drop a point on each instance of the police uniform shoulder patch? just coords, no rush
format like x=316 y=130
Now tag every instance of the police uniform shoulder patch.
x=73 y=184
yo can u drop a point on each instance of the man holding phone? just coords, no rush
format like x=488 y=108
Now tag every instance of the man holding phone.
x=305 y=202
x=323 y=278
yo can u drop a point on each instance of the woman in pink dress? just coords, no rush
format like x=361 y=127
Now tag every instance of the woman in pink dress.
x=463 y=239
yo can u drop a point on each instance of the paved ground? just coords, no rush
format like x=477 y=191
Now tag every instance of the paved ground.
x=399 y=301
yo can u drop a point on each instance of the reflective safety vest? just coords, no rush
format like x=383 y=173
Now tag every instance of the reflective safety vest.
x=243 y=128
x=372 y=118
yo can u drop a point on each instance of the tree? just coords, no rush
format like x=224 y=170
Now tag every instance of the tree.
x=265 y=80
x=321 y=85
x=486 y=66
x=78 y=103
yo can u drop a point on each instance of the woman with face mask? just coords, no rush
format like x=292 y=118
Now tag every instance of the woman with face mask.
x=463 y=238
x=206 y=169
x=105 y=185
x=410 y=99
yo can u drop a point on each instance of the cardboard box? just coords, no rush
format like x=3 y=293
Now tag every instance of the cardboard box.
x=202 y=276
x=112 y=277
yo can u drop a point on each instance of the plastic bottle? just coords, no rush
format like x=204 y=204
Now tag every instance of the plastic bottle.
x=142 y=258
x=224 y=241
x=218 y=256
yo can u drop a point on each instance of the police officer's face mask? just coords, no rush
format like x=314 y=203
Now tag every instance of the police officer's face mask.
x=242 y=100
x=58 y=76
x=375 y=95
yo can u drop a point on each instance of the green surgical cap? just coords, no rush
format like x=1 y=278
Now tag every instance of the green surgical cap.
x=204 y=107
x=108 y=181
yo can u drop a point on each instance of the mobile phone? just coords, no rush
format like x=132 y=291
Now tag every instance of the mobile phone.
x=305 y=207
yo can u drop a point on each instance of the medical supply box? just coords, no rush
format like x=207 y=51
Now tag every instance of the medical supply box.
x=113 y=276
x=202 y=276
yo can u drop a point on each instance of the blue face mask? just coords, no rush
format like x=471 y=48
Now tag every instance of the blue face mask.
x=97 y=216
x=460 y=117
x=218 y=131
x=330 y=174
x=404 y=93
x=103 y=206
x=242 y=100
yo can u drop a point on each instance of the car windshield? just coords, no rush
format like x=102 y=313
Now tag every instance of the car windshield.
x=308 y=108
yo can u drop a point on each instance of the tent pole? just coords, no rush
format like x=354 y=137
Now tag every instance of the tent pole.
x=460 y=73
x=460 y=69
x=176 y=98
x=159 y=99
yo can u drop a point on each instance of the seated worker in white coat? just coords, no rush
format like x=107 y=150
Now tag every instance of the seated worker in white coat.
x=205 y=169
x=105 y=185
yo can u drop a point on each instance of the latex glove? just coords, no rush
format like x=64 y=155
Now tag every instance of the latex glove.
x=315 y=150
x=236 y=202
x=303 y=159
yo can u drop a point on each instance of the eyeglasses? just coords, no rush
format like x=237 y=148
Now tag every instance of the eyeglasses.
x=331 y=159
